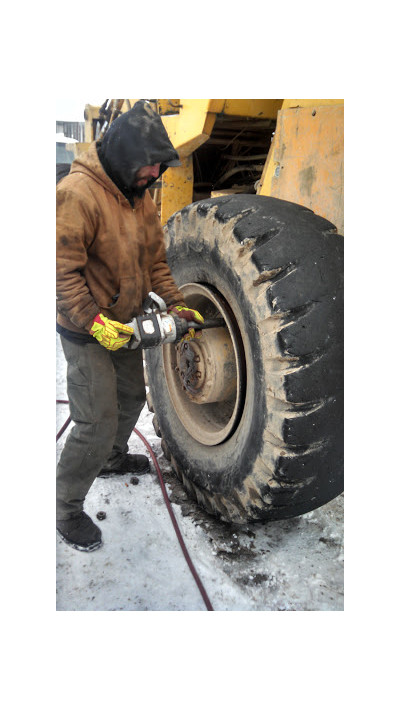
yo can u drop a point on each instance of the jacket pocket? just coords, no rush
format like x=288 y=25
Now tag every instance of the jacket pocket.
x=127 y=303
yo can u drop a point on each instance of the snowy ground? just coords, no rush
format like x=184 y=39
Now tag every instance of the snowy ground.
x=285 y=565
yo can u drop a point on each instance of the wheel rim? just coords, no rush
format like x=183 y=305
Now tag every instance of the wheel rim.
x=206 y=376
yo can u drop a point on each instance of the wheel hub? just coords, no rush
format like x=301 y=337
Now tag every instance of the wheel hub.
x=207 y=367
x=205 y=375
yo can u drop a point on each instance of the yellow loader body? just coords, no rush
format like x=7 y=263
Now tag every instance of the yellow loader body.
x=303 y=157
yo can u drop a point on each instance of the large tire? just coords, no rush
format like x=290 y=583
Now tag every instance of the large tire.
x=271 y=447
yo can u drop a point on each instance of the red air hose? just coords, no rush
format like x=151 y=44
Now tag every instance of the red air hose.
x=169 y=507
x=175 y=524
x=66 y=423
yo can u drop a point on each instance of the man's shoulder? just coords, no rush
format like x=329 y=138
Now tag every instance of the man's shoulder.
x=79 y=184
x=74 y=180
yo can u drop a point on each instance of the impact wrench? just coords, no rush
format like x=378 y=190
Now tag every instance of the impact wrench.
x=157 y=327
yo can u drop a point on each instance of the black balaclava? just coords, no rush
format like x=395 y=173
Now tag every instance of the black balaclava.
x=135 y=139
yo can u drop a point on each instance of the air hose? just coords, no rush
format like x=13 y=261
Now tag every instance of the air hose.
x=168 y=505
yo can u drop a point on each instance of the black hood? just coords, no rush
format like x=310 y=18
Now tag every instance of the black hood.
x=135 y=139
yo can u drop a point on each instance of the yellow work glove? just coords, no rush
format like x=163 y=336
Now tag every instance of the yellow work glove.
x=186 y=313
x=107 y=332
x=190 y=335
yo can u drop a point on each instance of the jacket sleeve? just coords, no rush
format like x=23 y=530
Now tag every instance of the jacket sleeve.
x=162 y=281
x=76 y=228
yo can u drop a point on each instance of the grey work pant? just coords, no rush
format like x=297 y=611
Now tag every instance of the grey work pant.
x=106 y=394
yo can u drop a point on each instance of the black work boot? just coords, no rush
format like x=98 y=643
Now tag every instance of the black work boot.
x=80 y=532
x=131 y=464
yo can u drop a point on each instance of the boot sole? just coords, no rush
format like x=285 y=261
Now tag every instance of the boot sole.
x=84 y=549
x=138 y=472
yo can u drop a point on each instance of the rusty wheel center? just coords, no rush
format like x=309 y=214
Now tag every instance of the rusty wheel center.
x=187 y=368
x=205 y=376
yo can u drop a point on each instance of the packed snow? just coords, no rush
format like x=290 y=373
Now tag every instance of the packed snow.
x=295 y=564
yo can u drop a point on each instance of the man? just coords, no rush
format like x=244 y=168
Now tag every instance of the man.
x=110 y=254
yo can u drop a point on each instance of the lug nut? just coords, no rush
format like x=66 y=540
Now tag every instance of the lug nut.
x=197 y=359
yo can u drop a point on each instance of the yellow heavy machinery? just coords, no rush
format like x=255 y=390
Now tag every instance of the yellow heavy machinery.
x=286 y=148
x=251 y=414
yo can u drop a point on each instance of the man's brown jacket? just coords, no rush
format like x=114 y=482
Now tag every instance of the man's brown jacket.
x=109 y=256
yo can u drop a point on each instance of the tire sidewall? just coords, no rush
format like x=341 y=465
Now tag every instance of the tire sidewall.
x=279 y=268
x=221 y=467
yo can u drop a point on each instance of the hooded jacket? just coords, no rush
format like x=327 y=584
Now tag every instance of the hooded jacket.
x=110 y=243
x=135 y=139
